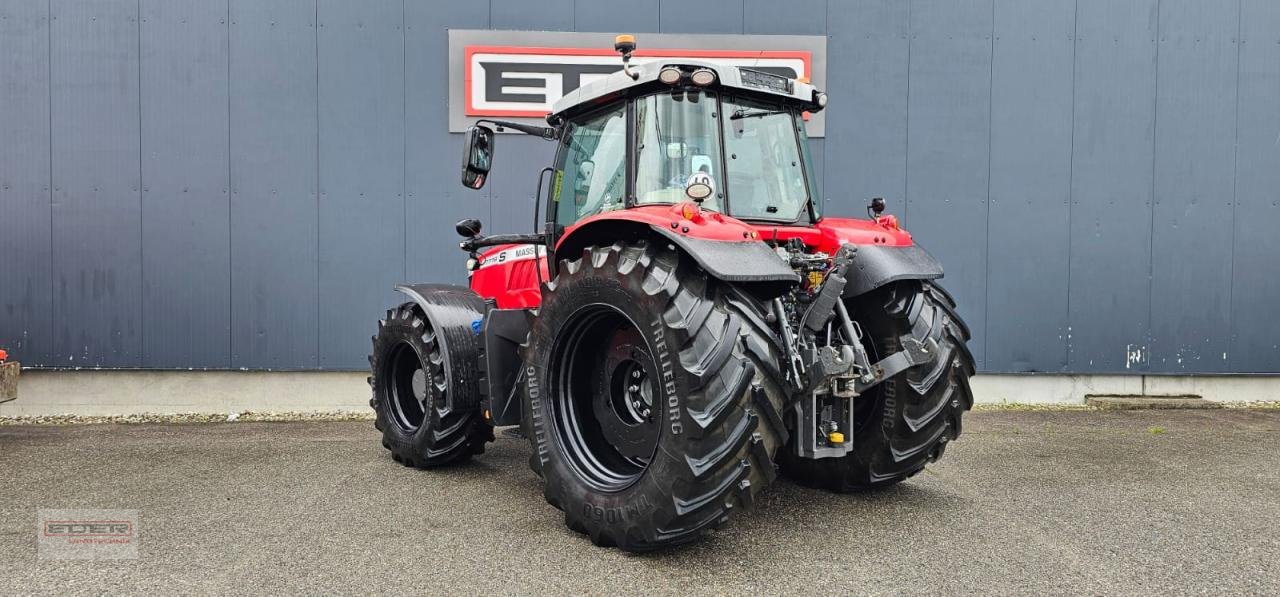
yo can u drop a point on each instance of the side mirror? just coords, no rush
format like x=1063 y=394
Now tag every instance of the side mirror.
x=477 y=156
x=468 y=228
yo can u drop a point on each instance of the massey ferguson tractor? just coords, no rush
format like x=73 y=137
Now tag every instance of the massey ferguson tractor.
x=686 y=324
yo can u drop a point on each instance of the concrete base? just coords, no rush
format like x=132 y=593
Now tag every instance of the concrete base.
x=1149 y=402
x=106 y=393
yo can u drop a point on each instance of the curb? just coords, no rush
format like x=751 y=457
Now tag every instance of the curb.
x=1112 y=402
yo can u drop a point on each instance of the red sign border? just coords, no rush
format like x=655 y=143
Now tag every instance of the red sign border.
x=468 y=51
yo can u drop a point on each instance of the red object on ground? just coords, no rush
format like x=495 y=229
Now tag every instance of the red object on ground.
x=3 y=355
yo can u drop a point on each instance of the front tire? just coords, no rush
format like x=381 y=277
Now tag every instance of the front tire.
x=412 y=382
x=651 y=396
x=905 y=422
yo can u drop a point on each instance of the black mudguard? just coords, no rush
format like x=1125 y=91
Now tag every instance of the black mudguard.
x=452 y=311
x=874 y=266
x=745 y=261
x=749 y=263
x=504 y=331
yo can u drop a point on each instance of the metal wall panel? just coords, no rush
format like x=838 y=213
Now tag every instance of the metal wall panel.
x=273 y=132
x=1255 y=290
x=435 y=196
x=796 y=17
x=544 y=15
x=97 y=268
x=1111 y=185
x=186 y=258
x=705 y=16
x=948 y=142
x=362 y=147
x=867 y=143
x=25 y=221
x=1028 y=227
x=1194 y=174
x=521 y=156
x=616 y=16
x=188 y=192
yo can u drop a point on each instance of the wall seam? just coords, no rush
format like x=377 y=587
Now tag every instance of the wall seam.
x=821 y=191
x=52 y=245
x=488 y=190
x=986 y=250
x=404 y=138
x=906 y=126
x=316 y=357
x=142 y=260
x=1071 y=177
x=1151 y=230
x=231 y=278
x=1235 y=196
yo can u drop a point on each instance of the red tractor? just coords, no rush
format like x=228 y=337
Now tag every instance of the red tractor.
x=686 y=324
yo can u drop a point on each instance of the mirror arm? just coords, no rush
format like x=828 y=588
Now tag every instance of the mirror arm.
x=546 y=132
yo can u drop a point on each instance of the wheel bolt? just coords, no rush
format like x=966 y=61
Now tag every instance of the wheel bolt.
x=633 y=388
x=636 y=374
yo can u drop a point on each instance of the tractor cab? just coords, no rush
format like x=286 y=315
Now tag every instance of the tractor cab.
x=729 y=139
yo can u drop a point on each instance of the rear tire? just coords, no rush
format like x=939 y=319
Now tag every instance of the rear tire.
x=905 y=422
x=662 y=460
x=410 y=384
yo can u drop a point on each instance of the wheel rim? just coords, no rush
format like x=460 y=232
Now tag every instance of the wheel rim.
x=405 y=385
x=605 y=405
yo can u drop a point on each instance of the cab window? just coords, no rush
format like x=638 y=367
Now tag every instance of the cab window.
x=591 y=176
x=766 y=178
x=677 y=143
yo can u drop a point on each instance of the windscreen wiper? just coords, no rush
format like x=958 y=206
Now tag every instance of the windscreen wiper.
x=740 y=113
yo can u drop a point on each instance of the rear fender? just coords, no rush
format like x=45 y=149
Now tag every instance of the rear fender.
x=878 y=265
x=724 y=247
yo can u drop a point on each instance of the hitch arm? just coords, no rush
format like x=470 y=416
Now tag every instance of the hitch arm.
x=913 y=353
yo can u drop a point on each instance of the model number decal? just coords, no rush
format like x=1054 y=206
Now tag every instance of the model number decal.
x=513 y=254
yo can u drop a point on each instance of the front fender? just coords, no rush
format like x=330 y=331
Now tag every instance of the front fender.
x=453 y=312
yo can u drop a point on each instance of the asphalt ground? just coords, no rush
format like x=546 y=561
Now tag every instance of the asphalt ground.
x=1026 y=502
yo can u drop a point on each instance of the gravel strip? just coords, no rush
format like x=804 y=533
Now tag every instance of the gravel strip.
x=247 y=416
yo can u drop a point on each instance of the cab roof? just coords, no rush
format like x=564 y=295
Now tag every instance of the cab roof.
x=754 y=82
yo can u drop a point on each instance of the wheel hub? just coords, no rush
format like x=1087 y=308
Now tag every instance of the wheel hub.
x=404 y=379
x=624 y=392
x=606 y=412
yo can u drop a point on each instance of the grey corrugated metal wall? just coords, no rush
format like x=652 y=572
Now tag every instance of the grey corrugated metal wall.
x=237 y=184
